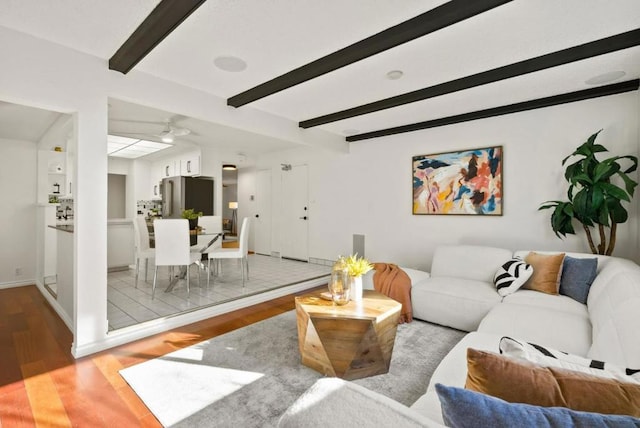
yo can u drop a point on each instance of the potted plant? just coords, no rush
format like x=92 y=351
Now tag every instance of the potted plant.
x=594 y=200
x=192 y=216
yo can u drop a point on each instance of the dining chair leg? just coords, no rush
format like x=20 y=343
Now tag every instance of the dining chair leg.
x=137 y=271
x=246 y=263
x=208 y=271
x=153 y=289
x=146 y=269
x=242 y=269
x=199 y=283
x=188 y=272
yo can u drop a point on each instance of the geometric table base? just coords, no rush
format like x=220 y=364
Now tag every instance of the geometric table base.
x=351 y=341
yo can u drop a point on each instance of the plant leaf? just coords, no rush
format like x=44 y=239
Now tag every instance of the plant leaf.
x=615 y=192
x=629 y=184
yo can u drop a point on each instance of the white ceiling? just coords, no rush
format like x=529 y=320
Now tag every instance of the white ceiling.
x=276 y=36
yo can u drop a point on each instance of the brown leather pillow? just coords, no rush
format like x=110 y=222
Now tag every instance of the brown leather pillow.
x=519 y=381
x=547 y=270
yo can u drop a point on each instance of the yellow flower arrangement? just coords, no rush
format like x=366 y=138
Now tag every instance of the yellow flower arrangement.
x=355 y=266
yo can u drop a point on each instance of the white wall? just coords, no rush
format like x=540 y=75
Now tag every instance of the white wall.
x=369 y=191
x=18 y=184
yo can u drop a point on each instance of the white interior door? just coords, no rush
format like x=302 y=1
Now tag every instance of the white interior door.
x=262 y=224
x=295 y=213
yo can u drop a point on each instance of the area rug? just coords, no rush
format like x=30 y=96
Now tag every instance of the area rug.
x=248 y=377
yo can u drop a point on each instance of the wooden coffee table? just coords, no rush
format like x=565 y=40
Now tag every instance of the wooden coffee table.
x=351 y=341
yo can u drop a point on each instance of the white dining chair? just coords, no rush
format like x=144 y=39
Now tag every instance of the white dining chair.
x=234 y=253
x=143 y=248
x=173 y=248
x=211 y=225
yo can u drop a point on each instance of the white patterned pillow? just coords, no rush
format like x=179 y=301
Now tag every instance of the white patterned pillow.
x=548 y=357
x=511 y=276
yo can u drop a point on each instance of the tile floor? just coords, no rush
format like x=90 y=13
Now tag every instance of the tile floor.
x=127 y=305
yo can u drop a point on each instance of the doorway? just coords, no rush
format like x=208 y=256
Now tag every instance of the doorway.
x=230 y=202
x=295 y=213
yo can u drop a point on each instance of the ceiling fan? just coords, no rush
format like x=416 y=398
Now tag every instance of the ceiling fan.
x=167 y=135
x=170 y=132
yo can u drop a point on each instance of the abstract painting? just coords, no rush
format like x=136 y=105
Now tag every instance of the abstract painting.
x=464 y=182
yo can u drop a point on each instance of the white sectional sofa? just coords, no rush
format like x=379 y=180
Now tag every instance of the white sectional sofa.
x=460 y=293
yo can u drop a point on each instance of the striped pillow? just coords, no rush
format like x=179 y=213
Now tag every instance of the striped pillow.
x=511 y=276
x=549 y=357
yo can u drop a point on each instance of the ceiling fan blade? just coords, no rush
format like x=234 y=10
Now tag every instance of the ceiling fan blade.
x=179 y=132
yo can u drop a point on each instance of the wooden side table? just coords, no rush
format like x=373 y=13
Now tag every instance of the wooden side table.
x=351 y=341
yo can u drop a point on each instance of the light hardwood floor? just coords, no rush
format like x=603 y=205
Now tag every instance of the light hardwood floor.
x=41 y=384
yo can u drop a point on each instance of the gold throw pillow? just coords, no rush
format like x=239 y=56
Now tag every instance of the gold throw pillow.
x=547 y=270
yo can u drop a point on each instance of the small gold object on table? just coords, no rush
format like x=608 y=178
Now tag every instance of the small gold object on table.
x=351 y=341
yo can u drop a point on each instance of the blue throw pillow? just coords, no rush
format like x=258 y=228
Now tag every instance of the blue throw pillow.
x=462 y=408
x=577 y=277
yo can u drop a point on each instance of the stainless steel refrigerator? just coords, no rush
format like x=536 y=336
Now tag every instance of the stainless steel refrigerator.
x=180 y=193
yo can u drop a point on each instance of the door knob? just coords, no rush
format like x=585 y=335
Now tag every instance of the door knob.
x=303 y=218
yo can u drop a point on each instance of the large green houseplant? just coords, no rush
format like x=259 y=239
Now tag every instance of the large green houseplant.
x=594 y=200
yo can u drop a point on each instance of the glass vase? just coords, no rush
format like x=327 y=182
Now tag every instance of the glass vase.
x=340 y=287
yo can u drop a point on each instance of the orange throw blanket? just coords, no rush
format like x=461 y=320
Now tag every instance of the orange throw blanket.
x=393 y=282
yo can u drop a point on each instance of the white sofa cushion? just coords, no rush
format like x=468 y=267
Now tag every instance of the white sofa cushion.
x=452 y=371
x=607 y=269
x=558 y=329
x=615 y=315
x=414 y=274
x=454 y=302
x=468 y=261
x=556 y=302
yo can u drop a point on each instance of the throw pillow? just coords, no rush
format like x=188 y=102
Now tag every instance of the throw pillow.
x=549 y=357
x=577 y=277
x=546 y=272
x=520 y=381
x=463 y=408
x=511 y=276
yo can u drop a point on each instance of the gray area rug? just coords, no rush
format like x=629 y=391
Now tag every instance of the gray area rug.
x=250 y=376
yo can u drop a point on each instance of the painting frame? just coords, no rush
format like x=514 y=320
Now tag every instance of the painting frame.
x=461 y=182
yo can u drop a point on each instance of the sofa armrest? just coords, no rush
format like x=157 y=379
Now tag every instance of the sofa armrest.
x=333 y=402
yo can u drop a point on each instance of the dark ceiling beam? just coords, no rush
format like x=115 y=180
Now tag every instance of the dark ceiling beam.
x=165 y=18
x=428 y=22
x=554 y=59
x=570 y=97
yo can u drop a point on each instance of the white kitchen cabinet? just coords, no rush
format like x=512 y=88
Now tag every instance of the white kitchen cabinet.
x=155 y=178
x=190 y=166
x=120 y=244
x=168 y=168
x=69 y=175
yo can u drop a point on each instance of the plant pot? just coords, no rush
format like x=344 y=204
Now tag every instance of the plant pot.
x=193 y=223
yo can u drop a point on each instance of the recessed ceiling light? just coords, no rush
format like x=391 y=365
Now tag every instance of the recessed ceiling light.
x=230 y=63
x=605 y=78
x=395 y=74
x=350 y=132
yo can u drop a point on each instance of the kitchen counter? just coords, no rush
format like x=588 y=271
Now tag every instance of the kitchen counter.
x=62 y=227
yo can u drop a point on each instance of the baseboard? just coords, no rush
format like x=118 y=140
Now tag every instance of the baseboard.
x=12 y=284
x=56 y=306
x=149 y=328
